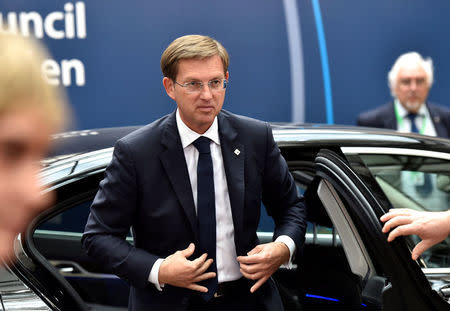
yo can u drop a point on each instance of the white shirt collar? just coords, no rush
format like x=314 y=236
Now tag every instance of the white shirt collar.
x=403 y=112
x=188 y=136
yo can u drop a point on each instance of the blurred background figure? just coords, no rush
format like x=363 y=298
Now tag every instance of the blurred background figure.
x=410 y=80
x=30 y=111
x=431 y=227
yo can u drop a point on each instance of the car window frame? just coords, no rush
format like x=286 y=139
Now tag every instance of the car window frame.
x=391 y=260
x=352 y=152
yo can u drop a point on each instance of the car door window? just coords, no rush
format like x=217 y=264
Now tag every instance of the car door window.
x=58 y=239
x=355 y=251
x=72 y=220
x=418 y=182
x=315 y=233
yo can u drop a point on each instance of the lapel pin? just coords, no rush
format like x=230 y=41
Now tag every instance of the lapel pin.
x=236 y=151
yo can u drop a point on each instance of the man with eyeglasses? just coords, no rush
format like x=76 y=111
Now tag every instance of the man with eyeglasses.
x=191 y=185
x=410 y=80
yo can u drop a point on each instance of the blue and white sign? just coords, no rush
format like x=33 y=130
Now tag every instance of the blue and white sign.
x=291 y=60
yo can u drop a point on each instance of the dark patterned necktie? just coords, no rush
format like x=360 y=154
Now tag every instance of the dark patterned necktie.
x=206 y=211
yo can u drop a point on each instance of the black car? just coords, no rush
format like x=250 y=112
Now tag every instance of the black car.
x=350 y=176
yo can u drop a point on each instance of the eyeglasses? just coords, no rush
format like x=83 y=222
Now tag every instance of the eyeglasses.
x=196 y=86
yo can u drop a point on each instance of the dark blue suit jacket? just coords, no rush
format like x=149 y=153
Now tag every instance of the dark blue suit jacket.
x=384 y=117
x=147 y=187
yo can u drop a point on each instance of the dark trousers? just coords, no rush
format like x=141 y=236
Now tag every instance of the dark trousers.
x=234 y=296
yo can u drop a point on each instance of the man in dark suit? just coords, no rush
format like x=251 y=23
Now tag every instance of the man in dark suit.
x=410 y=80
x=190 y=186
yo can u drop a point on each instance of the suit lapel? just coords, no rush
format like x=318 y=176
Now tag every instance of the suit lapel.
x=233 y=153
x=174 y=163
x=440 y=128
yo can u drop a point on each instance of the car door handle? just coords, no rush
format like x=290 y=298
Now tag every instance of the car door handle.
x=71 y=268
x=68 y=267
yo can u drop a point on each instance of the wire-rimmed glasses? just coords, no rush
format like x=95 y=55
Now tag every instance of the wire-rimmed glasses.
x=214 y=85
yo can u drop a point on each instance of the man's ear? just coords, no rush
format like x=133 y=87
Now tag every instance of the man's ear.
x=168 y=85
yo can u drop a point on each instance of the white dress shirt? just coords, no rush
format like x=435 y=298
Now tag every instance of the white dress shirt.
x=422 y=116
x=226 y=257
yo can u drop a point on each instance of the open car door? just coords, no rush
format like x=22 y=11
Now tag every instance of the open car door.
x=388 y=278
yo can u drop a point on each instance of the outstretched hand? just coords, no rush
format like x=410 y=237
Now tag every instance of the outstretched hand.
x=431 y=227
x=178 y=270
x=262 y=261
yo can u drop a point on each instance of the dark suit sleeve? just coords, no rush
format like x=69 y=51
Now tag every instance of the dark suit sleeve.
x=280 y=196
x=440 y=116
x=369 y=119
x=380 y=117
x=362 y=120
x=110 y=220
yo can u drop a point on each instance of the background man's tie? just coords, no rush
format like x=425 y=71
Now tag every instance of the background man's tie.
x=206 y=211
x=412 y=118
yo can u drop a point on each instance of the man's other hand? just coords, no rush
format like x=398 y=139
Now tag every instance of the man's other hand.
x=179 y=271
x=262 y=261
x=431 y=227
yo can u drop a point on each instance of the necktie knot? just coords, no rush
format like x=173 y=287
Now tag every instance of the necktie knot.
x=412 y=118
x=202 y=144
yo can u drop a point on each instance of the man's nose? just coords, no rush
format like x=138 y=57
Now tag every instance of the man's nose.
x=206 y=92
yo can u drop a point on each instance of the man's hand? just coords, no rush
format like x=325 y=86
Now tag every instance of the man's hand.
x=431 y=227
x=263 y=261
x=178 y=271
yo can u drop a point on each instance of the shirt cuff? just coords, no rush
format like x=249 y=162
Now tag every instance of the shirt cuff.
x=153 y=277
x=291 y=245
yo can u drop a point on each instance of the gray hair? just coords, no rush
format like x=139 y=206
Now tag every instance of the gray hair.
x=406 y=60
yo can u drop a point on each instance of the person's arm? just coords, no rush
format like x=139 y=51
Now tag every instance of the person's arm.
x=431 y=227
x=111 y=217
x=281 y=199
x=109 y=222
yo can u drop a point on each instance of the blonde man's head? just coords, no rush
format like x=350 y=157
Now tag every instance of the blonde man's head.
x=188 y=47
x=30 y=111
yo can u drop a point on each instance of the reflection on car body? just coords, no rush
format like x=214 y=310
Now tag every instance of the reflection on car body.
x=349 y=176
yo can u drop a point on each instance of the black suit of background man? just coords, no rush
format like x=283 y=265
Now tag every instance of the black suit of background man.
x=410 y=80
x=384 y=117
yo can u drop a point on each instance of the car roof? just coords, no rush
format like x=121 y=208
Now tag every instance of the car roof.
x=89 y=150
x=75 y=142
x=87 y=140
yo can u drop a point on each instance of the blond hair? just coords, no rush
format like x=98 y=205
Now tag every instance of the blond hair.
x=22 y=84
x=188 y=47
